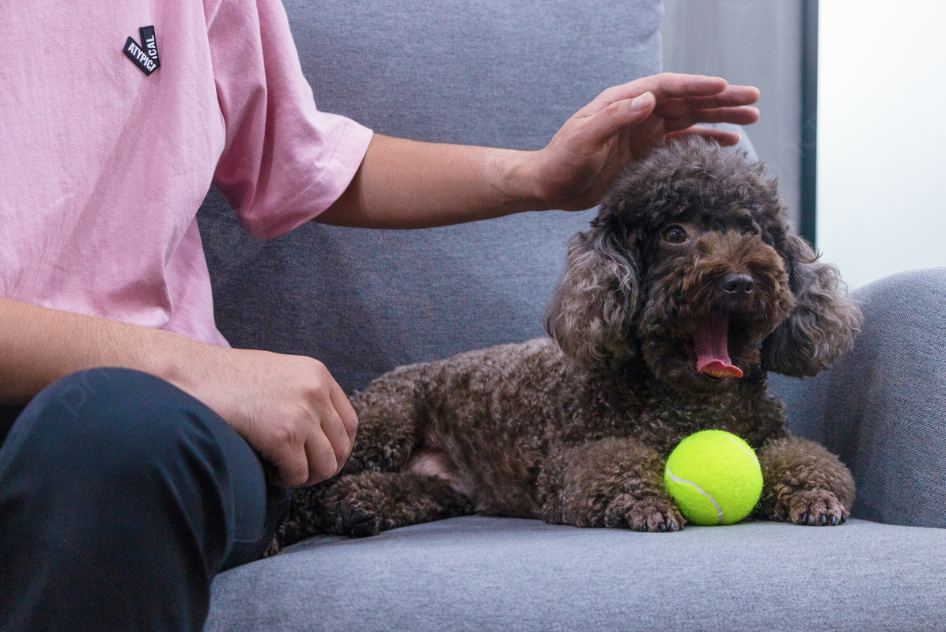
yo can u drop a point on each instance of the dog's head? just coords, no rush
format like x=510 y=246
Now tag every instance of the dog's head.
x=690 y=267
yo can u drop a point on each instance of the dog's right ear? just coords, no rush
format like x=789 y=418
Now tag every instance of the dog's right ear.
x=593 y=305
x=824 y=322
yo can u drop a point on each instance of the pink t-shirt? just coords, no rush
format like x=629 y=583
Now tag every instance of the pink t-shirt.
x=103 y=167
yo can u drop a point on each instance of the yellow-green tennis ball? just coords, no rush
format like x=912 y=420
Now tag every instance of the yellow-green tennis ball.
x=714 y=477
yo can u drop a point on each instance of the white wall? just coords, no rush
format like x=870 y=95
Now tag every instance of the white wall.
x=881 y=136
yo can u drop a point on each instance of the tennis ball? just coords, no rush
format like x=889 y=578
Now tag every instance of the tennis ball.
x=714 y=477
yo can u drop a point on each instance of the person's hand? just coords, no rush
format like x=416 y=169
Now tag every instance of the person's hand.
x=624 y=122
x=289 y=408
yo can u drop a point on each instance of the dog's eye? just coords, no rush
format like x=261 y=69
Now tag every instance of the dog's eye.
x=675 y=235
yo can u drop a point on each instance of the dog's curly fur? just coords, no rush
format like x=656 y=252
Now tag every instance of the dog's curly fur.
x=576 y=429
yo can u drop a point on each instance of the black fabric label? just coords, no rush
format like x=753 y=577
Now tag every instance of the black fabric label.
x=149 y=43
x=145 y=58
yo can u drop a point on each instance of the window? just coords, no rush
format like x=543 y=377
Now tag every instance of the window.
x=881 y=174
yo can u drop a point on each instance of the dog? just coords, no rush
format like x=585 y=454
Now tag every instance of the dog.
x=685 y=292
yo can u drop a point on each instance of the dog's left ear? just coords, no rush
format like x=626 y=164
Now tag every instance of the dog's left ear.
x=824 y=322
x=591 y=309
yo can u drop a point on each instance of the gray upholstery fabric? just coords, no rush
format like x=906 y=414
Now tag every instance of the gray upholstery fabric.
x=490 y=73
x=366 y=301
x=882 y=407
x=517 y=575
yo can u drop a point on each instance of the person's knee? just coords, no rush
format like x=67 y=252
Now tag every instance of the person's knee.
x=110 y=471
x=123 y=455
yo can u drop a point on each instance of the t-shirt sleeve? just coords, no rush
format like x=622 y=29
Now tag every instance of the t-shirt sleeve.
x=283 y=162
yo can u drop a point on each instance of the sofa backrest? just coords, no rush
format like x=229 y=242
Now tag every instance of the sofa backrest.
x=493 y=72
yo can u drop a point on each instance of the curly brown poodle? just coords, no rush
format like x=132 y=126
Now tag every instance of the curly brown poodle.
x=687 y=289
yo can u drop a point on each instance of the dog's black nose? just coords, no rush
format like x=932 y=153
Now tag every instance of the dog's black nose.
x=738 y=285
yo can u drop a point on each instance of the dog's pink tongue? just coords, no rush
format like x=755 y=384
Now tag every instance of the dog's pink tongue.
x=712 y=351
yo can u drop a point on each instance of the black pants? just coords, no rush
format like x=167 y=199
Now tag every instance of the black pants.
x=120 y=498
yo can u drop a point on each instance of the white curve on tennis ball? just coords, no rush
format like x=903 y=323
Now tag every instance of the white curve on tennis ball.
x=677 y=479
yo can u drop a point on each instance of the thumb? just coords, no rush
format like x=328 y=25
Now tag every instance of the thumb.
x=607 y=122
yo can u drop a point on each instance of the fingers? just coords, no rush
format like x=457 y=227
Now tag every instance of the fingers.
x=345 y=412
x=678 y=123
x=732 y=96
x=681 y=101
x=669 y=85
x=322 y=459
x=329 y=444
x=666 y=86
x=723 y=137
x=680 y=109
x=290 y=447
x=337 y=422
x=698 y=90
x=603 y=125
x=301 y=452
x=610 y=121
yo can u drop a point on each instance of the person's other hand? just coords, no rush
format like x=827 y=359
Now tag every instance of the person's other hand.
x=289 y=408
x=624 y=122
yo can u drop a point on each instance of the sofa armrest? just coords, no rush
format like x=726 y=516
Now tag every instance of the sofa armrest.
x=881 y=407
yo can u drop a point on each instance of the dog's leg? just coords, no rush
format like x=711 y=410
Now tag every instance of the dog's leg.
x=367 y=503
x=614 y=482
x=803 y=483
x=389 y=423
x=370 y=502
x=304 y=519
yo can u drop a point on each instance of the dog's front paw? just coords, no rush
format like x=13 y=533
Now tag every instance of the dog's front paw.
x=358 y=521
x=651 y=513
x=816 y=507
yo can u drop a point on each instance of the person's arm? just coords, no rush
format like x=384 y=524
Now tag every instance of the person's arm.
x=289 y=408
x=407 y=184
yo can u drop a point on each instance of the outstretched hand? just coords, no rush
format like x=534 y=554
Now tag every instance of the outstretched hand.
x=624 y=122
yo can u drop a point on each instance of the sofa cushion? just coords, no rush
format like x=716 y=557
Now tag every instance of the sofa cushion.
x=481 y=574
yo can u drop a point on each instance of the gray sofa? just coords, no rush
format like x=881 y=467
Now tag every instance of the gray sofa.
x=508 y=73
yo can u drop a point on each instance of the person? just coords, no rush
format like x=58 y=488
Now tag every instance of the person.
x=124 y=490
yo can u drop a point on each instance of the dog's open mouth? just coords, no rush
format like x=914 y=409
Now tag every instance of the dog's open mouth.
x=713 y=339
